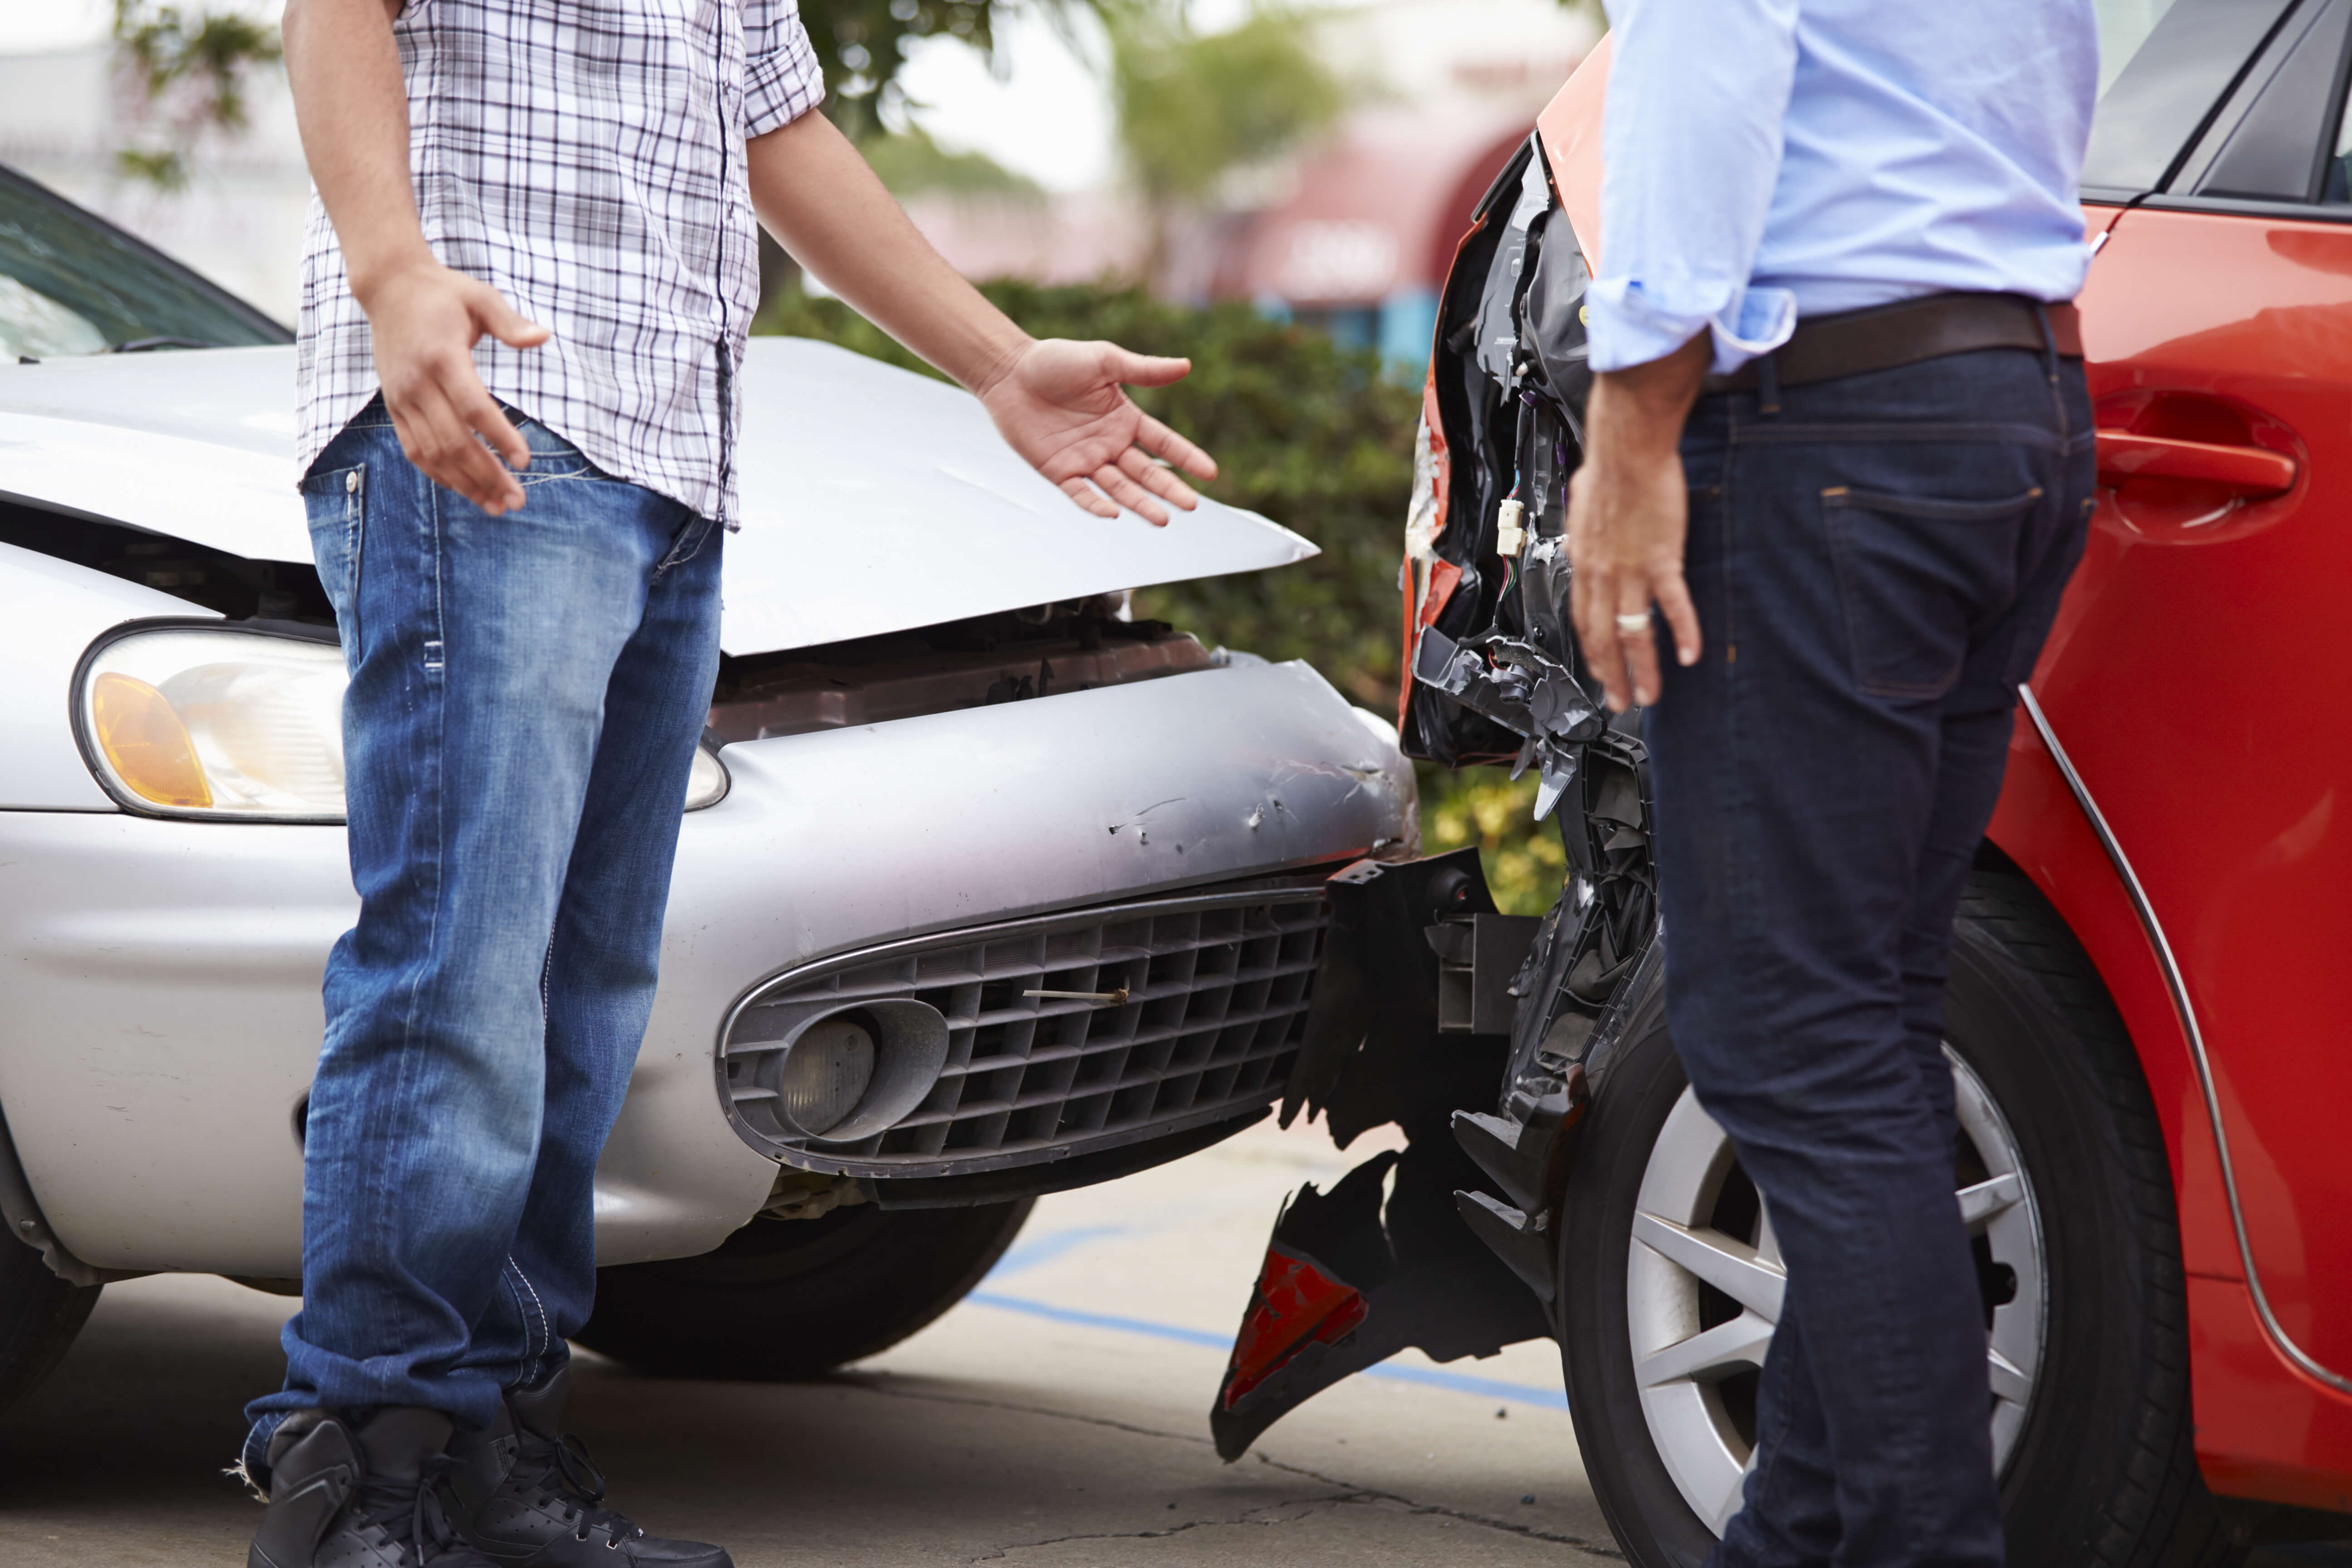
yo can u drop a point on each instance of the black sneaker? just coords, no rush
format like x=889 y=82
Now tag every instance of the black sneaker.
x=360 y=1495
x=525 y=1493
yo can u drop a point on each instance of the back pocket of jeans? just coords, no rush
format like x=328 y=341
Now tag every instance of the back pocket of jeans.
x=1916 y=574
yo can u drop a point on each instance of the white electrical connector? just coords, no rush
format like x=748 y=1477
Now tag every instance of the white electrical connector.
x=1509 y=535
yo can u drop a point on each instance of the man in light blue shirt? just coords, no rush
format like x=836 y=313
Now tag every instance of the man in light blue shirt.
x=1771 y=160
x=1830 y=316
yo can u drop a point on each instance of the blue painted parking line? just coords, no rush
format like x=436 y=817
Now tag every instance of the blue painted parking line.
x=1428 y=1377
x=1102 y=1320
x=1030 y=1253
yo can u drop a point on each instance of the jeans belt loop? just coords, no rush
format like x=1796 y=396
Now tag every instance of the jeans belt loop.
x=2049 y=342
x=1768 y=385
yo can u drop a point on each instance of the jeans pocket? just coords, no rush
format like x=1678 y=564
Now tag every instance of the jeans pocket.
x=335 y=500
x=551 y=457
x=691 y=536
x=1916 y=574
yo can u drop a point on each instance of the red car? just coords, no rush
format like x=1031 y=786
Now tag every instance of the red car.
x=2148 y=988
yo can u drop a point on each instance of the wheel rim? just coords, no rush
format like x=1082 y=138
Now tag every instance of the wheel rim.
x=1704 y=1283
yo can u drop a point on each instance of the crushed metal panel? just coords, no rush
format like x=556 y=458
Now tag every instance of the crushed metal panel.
x=874 y=499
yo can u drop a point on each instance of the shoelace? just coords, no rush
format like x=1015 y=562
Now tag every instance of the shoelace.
x=387 y=1506
x=564 y=1473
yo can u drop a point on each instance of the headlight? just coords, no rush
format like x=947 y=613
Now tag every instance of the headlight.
x=707 y=785
x=190 y=721
x=215 y=722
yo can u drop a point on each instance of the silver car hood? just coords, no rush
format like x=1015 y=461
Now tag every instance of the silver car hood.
x=874 y=499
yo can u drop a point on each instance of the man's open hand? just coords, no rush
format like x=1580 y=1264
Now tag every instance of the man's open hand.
x=1058 y=403
x=426 y=319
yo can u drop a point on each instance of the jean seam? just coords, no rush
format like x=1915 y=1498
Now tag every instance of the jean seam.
x=380 y=1148
x=354 y=543
x=522 y=1320
x=546 y=1340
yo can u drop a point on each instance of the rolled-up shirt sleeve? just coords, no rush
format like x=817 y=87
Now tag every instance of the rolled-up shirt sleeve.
x=781 y=80
x=1690 y=152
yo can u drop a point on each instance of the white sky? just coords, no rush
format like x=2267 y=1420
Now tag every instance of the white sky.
x=1044 y=115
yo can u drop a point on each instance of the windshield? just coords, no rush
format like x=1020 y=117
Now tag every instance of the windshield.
x=71 y=283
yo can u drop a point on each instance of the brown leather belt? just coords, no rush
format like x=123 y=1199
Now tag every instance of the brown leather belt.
x=1887 y=336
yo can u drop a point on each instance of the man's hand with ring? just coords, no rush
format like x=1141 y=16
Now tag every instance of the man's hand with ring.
x=1628 y=507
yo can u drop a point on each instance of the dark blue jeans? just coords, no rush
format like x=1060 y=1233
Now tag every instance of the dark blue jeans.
x=1876 y=561
x=527 y=692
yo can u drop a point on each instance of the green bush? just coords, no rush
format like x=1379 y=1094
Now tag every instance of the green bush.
x=1315 y=436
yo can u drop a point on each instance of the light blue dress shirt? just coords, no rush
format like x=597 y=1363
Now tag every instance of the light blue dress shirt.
x=1765 y=160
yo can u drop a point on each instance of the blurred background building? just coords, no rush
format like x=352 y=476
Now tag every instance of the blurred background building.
x=1319 y=162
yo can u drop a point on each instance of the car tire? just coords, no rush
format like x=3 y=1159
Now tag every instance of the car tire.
x=39 y=1316
x=783 y=1300
x=2105 y=1474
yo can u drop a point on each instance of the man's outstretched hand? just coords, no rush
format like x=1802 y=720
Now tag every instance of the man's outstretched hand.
x=1059 y=405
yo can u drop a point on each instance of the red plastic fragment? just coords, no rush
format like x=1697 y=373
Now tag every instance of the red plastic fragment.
x=1294 y=1304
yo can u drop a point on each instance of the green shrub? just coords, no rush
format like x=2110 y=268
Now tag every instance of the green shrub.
x=1315 y=436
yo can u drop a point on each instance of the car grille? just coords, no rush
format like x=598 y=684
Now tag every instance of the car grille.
x=1217 y=990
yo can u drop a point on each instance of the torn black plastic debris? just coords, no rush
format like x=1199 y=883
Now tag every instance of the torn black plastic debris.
x=1525 y=689
x=1395 y=1253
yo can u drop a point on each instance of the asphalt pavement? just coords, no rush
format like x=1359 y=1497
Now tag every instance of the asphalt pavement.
x=1057 y=1419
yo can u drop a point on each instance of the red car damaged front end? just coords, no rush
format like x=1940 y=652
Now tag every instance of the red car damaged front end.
x=1430 y=997
x=2145 y=975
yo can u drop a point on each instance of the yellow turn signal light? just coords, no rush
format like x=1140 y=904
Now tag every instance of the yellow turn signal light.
x=145 y=742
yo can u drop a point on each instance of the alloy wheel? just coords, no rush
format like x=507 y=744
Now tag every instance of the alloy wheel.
x=1704 y=1283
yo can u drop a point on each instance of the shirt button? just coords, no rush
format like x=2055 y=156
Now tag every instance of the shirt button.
x=352 y=481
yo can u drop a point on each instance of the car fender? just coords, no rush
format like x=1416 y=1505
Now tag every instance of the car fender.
x=2266 y=1427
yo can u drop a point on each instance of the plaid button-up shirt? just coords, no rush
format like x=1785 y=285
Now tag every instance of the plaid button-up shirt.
x=586 y=158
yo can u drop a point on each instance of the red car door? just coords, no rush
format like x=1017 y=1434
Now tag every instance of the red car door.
x=2196 y=678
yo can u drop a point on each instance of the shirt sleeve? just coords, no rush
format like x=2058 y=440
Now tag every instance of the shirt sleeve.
x=781 y=80
x=1690 y=153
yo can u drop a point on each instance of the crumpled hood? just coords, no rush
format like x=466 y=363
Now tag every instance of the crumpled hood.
x=874 y=499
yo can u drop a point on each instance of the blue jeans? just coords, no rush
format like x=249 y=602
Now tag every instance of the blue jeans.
x=1875 y=562
x=526 y=695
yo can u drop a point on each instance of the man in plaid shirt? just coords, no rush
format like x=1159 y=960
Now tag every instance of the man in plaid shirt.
x=531 y=266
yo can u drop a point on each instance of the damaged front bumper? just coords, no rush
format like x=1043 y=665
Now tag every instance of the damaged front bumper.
x=164 y=975
x=1483 y=1036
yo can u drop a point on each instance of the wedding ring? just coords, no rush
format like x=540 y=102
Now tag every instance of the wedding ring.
x=1628 y=624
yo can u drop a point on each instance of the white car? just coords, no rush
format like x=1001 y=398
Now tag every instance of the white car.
x=945 y=772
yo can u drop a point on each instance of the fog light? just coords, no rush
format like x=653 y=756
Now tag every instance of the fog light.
x=825 y=1073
